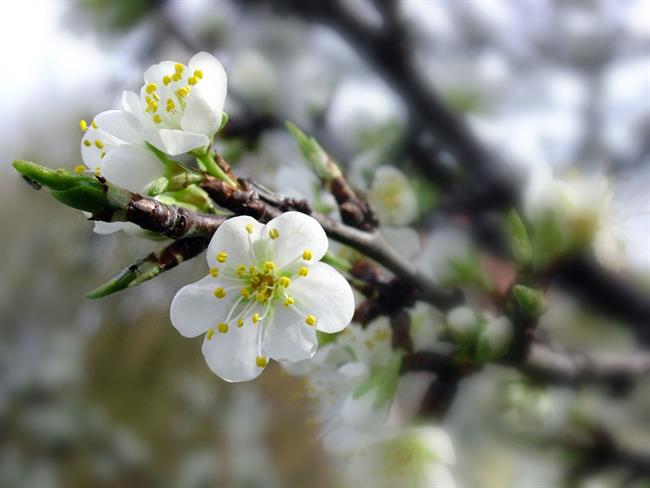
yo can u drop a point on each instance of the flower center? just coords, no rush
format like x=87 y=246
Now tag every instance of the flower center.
x=165 y=101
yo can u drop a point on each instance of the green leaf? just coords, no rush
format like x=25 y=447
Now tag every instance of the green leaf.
x=224 y=121
x=319 y=161
x=79 y=191
x=530 y=301
x=519 y=241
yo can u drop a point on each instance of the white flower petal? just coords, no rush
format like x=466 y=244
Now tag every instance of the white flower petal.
x=131 y=103
x=90 y=155
x=121 y=125
x=132 y=167
x=174 y=142
x=232 y=356
x=288 y=338
x=211 y=67
x=232 y=237
x=195 y=309
x=326 y=294
x=203 y=110
x=155 y=73
x=297 y=232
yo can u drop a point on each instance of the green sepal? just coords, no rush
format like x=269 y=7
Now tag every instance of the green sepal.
x=383 y=380
x=529 y=301
x=318 y=159
x=224 y=121
x=520 y=245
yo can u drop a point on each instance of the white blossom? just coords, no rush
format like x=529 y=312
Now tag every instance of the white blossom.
x=411 y=457
x=445 y=248
x=496 y=335
x=265 y=297
x=463 y=322
x=393 y=197
x=180 y=107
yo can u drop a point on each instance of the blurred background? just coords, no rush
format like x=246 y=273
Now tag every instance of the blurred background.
x=107 y=393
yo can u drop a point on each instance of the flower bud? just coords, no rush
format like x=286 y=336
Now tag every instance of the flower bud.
x=494 y=338
x=463 y=323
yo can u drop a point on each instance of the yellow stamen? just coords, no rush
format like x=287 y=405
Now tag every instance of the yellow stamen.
x=284 y=282
x=219 y=292
x=241 y=270
x=198 y=73
x=83 y=125
x=240 y=323
x=288 y=301
x=80 y=168
x=307 y=255
x=102 y=155
x=256 y=317
x=156 y=97
x=260 y=297
x=151 y=87
x=214 y=272
x=192 y=80
x=222 y=256
x=303 y=271
x=249 y=228
x=157 y=119
x=178 y=67
x=176 y=77
x=209 y=334
x=269 y=265
x=274 y=233
x=310 y=320
x=87 y=143
x=245 y=292
x=93 y=124
x=167 y=80
x=261 y=361
x=99 y=144
x=223 y=328
x=97 y=171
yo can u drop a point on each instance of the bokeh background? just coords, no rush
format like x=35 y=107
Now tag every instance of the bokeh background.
x=107 y=393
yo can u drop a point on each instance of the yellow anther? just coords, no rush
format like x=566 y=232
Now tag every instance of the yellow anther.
x=251 y=269
x=147 y=99
x=151 y=87
x=102 y=155
x=256 y=317
x=80 y=168
x=214 y=272
x=176 y=77
x=178 y=67
x=269 y=265
x=87 y=143
x=222 y=327
x=307 y=255
x=260 y=297
x=255 y=280
x=192 y=80
x=167 y=80
x=83 y=125
x=198 y=74
x=249 y=228
x=99 y=144
x=157 y=119
x=288 y=301
x=310 y=320
x=245 y=292
x=209 y=334
x=261 y=361
x=219 y=292
x=98 y=171
x=303 y=271
x=222 y=256
x=284 y=282
x=240 y=323
x=274 y=233
x=93 y=124
x=241 y=270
